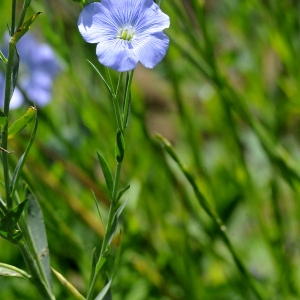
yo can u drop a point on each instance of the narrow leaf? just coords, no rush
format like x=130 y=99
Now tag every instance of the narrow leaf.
x=104 y=291
x=100 y=264
x=23 y=29
x=12 y=271
x=118 y=256
x=38 y=234
x=2 y=57
x=116 y=221
x=68 y=285
x=21 y=123
x=98 y=208
x=107 y=173
x=14 y=237
x=120 y=146
x=10 y=220
x=94 y=264
x=103 y=79
x=122 y=192
x=15 y=69
x=21 y=162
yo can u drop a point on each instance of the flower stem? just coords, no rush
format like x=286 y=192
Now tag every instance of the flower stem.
x=121 y=125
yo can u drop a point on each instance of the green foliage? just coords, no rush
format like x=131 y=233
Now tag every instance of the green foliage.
x=227 y=98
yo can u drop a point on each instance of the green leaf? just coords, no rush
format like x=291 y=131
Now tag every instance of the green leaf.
x=103 y=79
x=23 y=29
x=105 y=290
x=115 y=221
x=12 y=271
x=94 y=264
x=37 y=229
x=98 y=208
x=21 y=162
x=21 y=123
x=122 y=192
x=14 y=237
x=3 y=58
x=68 y=285
x=10 y=220
x=100 y=264
x=126 y=107
x=107 y=173
x=120 y=146
x=8 y=224
x=118 y=256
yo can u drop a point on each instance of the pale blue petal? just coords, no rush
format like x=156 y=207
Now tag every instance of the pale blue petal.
x=38 y=87
x=101 y=23
x=152 y=20
x=17 y=97
x=116 y=54
x=127 y=11
x=151 y=49
x=96 y=23
x=16 y=100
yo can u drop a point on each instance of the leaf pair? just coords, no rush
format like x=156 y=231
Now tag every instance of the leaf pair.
x=9 y=222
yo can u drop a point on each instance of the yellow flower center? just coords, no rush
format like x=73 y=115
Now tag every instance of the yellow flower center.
x=126 y=33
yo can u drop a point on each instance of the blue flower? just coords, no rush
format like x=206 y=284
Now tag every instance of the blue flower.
x=127 y=31
x=38 y=68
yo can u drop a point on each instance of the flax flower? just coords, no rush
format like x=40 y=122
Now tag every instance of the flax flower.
x=38 y=68
x=126 y=31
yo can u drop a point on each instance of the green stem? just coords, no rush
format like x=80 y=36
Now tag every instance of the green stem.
x=35 y=274
x=13 y=18
x=213 y=215
x=127 y=100
x=7 y=97
x=23 y=13
x=121 y=124
x=116 y=103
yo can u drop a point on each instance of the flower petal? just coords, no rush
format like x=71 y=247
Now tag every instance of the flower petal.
x=151 y=49
x=96 y=22
x=116 y=54
x=152 y=20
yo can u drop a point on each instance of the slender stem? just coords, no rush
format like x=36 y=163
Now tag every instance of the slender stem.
x=35 y=274
x=121 y=125
x=116 y=103
x=127 y=98
x=7 y=97
x=214 y=217
x=13 y=18
x=22 y=17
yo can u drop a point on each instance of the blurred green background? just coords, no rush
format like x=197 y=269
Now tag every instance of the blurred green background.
x=227 y=97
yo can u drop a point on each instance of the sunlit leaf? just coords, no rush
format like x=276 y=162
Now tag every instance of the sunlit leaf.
x=107 y=173
x=12 y=271
x=68 y=285
x=38 y=233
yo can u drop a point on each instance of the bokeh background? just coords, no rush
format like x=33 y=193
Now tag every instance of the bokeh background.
x=227 y=97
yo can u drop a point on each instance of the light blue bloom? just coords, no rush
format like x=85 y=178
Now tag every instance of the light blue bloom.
x=38 y=68
x=126 y=31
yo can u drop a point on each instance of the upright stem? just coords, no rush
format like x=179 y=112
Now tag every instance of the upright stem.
x=13 y=18
x=7 y=97
x=121 y=125
x=35 y=274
